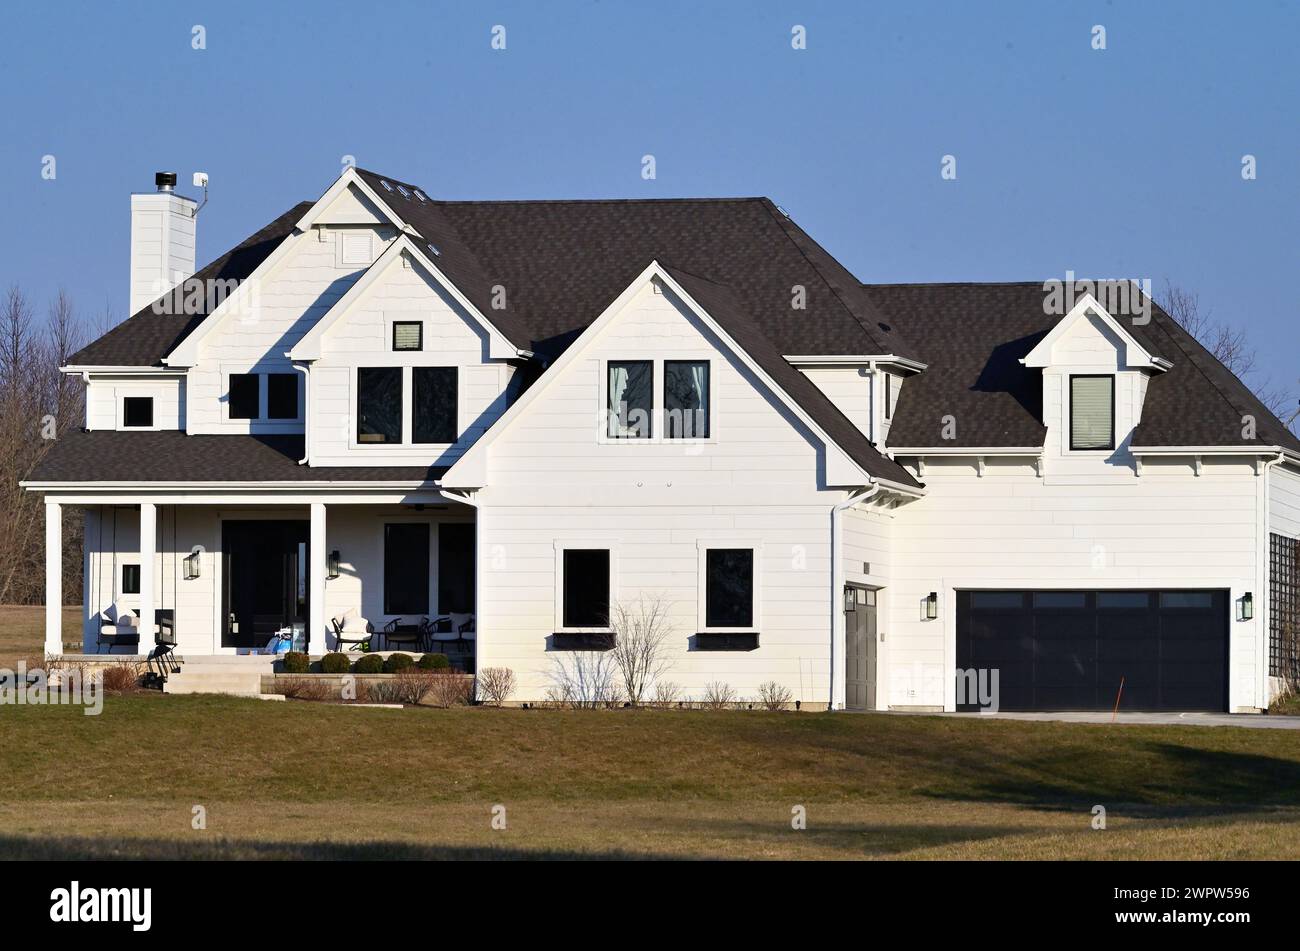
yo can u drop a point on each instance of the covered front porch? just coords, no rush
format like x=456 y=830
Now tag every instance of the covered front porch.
x=236 y=573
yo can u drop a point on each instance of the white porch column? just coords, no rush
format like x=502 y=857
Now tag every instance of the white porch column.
x=316 y=581
x=53 y=579
x=148 y=560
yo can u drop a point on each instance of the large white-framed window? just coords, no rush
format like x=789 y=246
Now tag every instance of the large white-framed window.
x=656 y=401
x=407 y=406
x=1092 y=412
x=729 y=596
x=137 y=412
x=586 y=590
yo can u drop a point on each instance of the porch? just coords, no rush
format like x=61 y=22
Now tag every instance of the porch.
x=231 y=575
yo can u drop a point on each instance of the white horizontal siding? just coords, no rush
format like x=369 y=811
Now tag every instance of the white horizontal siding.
x=104 y=395
x=1284 y=502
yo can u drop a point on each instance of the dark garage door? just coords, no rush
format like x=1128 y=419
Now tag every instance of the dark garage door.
x=1069 y=650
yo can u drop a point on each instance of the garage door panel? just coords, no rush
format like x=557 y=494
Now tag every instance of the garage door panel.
x=1071 y=651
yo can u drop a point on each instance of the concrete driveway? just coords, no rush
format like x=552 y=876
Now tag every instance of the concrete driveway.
x=1251 y=720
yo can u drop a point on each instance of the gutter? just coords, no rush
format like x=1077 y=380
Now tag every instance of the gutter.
x=837 y=575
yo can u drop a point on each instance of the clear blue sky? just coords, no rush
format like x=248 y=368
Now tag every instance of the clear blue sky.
x=1117 y=163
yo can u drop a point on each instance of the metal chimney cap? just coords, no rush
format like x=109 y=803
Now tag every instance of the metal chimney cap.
x=166 y=181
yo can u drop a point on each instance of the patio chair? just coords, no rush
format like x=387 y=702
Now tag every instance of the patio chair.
x=118 y=627
x=438 y=633
x=352 y=629
x=398 y=632
x=164 y=639
x=463 y=625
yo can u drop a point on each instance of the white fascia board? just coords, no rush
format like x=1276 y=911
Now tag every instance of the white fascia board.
x=308 y=346
x=1210 y=451
x=348 y=179
x=1041 y=355
x=965 y=451
x=186 y=353
x=470 y=470
x=854 y=360
x=83 y=369
x=305 y=484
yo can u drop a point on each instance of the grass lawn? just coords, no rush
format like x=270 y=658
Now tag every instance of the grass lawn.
x=22 y=631
x=297 y=779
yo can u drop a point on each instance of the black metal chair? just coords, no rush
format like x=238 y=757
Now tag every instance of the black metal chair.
x=162 y=659
x=397 y=632
x=358 y=638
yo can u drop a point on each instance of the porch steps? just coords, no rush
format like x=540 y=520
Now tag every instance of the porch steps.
x=233 y=676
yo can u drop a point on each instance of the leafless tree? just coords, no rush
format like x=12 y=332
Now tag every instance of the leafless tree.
x=642 y=631
x=1230 y=346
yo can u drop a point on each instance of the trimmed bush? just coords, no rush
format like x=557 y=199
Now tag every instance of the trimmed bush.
x=396 y=662
x=434 y=662
x=296 y=662
x=335 y=664
x=370 y=664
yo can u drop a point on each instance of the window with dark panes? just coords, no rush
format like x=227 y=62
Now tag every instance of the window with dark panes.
x=434 y=405
x=408 y=335
x=282 y=396
x=379 y=405
x=245 y=396
x=130 y=579
x=729 y=587
x=137 y=411
x=586 y=587
x=456 y=568
x=686 y=399
x=406 y=568
x=631 y=399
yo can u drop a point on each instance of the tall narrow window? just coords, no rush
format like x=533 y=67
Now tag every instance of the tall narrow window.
x=889 y=395
x=245 y=396
x=130 y=579
x=456 y=568
x=282 y=396
x=729 y=587
x=1092 y=412
x=406 y=568
x=631 y=399
x=434 y=405
x=686 y=399
x=408 y=335
x=379 y=404
x=586 y=587
x=137 y=412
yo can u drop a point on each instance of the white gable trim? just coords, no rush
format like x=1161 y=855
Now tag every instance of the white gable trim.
x=1135 y=357
x=349 y=179
x=308 y=346
x=470 y=470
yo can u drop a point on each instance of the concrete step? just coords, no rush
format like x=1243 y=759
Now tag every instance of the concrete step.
x=244 y=683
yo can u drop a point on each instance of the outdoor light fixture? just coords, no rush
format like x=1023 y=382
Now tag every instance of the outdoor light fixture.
x=1247 y=603
x=849 y=600
x=192 y=566
x=932 y=606
x=333 y=570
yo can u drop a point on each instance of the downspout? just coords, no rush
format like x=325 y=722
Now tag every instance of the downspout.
x=306 y=393
x=837 y=575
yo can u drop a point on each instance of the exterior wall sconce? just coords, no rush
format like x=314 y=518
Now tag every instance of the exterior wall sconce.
x=332 y=571
x=932 y=606
x=850 y=599
x=1246 y=607
x=193 y=563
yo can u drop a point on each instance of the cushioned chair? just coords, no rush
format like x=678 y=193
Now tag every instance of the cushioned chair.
x=351 y=628
x=463 y=626
x=118 y=627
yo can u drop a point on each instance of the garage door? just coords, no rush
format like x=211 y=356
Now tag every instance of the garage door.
x=1070 y=650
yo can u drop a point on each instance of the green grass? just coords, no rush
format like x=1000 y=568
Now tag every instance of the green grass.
x=22 y=631
x=315 y=780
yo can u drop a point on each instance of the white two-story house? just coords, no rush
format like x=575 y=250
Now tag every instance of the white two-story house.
x=522 y=415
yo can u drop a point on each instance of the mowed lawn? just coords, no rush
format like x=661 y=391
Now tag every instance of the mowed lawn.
x=22 y=631
x=296 y=779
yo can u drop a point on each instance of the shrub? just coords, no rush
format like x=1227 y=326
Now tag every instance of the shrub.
x=434 y=662
x=398 y=662
x=718 y=695
x=370 y=664
x=296 y=662
x=773 y=696
x=382 y=691
x=300 y=688
x=412 y=685
x=450 y=689
x=122 y=677
x=335 y=664
x=666 y=694
x=496 y=684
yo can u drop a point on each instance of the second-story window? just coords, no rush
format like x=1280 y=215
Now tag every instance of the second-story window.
x=433 y=406
x=686 y=399
x=379 y=405
x=1092 y=412
x=137 y=412
x=282 y=396
x=630 y=399
x=245 y=396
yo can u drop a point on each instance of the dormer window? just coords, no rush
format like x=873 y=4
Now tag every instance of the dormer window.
x=1092 y=412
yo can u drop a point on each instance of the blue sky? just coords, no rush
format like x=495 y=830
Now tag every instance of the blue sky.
x=1117 y=163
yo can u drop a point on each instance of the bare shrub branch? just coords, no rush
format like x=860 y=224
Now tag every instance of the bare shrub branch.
x=642 y=635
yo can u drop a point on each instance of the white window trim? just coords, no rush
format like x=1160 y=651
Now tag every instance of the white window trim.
x=658 y=429
x=120 y=397
x=122 y=596
x=563 y=545
x=702 y=548
x=408 y=405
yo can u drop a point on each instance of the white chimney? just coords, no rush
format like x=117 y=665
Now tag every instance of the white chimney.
x=162 y=241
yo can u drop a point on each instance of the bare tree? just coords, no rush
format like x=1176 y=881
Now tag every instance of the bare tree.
x=1230 y=346
x=642 y=631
